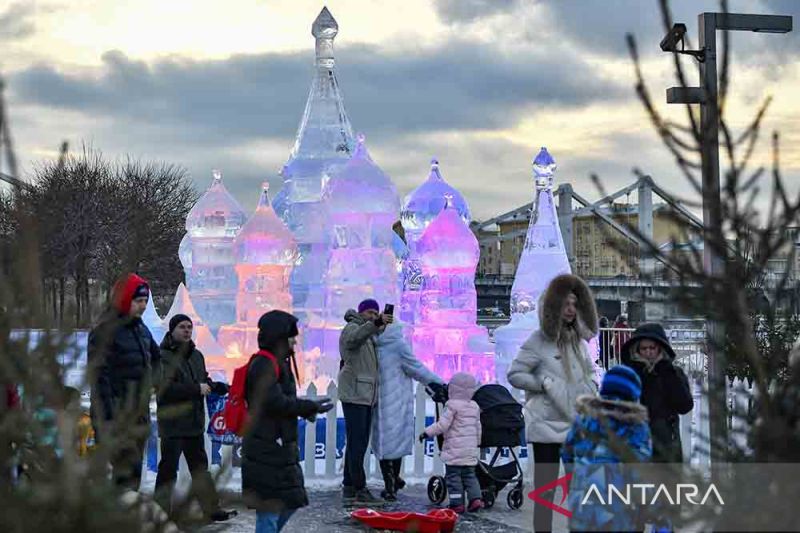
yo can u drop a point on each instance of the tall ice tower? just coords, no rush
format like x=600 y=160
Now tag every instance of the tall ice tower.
x=323 y=146
x=543 y=258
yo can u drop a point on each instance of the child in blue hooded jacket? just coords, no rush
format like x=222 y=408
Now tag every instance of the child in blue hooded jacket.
x=608 y=430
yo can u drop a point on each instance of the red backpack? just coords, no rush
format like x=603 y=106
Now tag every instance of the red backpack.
x=235 y=413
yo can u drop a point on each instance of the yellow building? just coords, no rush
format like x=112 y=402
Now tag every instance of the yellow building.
x=598 y=250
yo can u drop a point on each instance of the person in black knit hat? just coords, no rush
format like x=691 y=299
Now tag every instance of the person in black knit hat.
x=182 y=418
x=272 y=479
x=665 y=388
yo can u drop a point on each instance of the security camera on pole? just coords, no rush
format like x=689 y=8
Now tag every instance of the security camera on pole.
x=707 y=96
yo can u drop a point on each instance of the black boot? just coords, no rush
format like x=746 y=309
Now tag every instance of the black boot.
x=387 y=470
x=397 y=466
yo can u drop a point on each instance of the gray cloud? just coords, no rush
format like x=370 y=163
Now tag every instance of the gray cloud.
x=601 y=26
x=456 y=11
x=459 y=85
x=16 y=22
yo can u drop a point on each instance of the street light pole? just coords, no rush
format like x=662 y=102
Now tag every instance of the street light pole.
x=707 y=97
x=712 y=221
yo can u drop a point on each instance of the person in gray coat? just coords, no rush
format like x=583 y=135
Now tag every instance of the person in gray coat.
x=393 y=420
x=358 y=392
x=553 y=367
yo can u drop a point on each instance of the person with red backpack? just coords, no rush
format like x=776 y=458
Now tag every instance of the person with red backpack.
x=272 y=479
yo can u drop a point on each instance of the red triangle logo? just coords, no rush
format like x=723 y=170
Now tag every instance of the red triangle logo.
x=563 y=482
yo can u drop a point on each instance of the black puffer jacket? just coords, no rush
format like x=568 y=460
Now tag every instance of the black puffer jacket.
x=272 y=479
x=126 y=362
x=666 y=394
x=181 y=409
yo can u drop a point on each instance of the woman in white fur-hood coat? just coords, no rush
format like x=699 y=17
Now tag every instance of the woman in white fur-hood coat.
x=553 y=368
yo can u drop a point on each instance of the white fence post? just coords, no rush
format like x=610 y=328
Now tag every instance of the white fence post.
x=311 y=439
x=740 y=408
x=419 y=427
x=331 y=428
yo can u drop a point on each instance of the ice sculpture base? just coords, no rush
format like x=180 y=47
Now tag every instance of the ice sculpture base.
x=447 y=351
x=509 y=339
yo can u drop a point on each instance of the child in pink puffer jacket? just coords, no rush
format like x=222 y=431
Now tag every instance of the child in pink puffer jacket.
x=460 y=423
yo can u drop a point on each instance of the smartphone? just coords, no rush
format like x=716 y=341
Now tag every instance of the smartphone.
x=388 y=309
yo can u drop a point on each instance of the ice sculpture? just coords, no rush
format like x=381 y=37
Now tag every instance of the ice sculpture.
x=360 y=205
x=445 y=336
x=543 y=258
x=265 y=252
x=153 y=321
x=201 y=334
x=323 y=146
x=420 y=208
x=206 y=253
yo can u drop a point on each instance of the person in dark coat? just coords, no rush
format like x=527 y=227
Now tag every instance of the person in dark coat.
x=123 y=361
x=272 y=479
x=665 y=388
x=182 y=418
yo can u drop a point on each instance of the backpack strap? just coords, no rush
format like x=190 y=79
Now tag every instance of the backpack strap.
x=272 y=358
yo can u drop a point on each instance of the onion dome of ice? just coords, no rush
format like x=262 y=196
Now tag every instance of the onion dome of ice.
x=216 y=213
x=448 y=243
x=361 y=187
x=425 y=202
x=264 y=239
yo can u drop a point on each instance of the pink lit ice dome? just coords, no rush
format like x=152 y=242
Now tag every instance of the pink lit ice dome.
x=446 y=337
x=265 y=252
x=361 y=204
x=419 y=209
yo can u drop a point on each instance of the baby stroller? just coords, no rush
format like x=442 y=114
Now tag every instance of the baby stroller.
x=502 y=426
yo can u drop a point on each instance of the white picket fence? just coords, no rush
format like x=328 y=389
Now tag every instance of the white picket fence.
x=420 y=465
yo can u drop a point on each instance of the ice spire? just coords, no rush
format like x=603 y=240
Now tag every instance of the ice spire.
x=325 y=129
x=324 y=30
x=323 y=145
x=543 y=258
x=153 y=321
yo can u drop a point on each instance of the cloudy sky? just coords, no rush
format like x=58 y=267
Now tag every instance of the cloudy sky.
x=480 y=84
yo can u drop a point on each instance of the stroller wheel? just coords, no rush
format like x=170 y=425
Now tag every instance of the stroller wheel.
x=437 y=490
x=514 y=498
x=488 y=498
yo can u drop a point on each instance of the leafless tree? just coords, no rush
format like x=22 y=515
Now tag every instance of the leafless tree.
x=751 y=235
x=96 y=219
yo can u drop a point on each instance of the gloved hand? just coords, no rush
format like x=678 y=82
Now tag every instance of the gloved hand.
x=438 y=392
x=422 y=437
x=324 y=405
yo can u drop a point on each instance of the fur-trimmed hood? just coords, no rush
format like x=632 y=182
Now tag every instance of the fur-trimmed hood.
x=553 y=300
x=599 y=407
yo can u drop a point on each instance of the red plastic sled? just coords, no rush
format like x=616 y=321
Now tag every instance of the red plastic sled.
x=435 y=521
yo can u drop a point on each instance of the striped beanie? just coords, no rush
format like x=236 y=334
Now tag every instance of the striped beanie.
x=621 y=382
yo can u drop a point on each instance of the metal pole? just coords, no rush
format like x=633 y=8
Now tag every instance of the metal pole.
x=712 y=220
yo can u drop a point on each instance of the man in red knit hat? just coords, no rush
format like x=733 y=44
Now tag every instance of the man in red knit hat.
x=124 y=359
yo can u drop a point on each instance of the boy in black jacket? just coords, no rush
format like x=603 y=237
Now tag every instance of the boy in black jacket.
x=182 y=418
